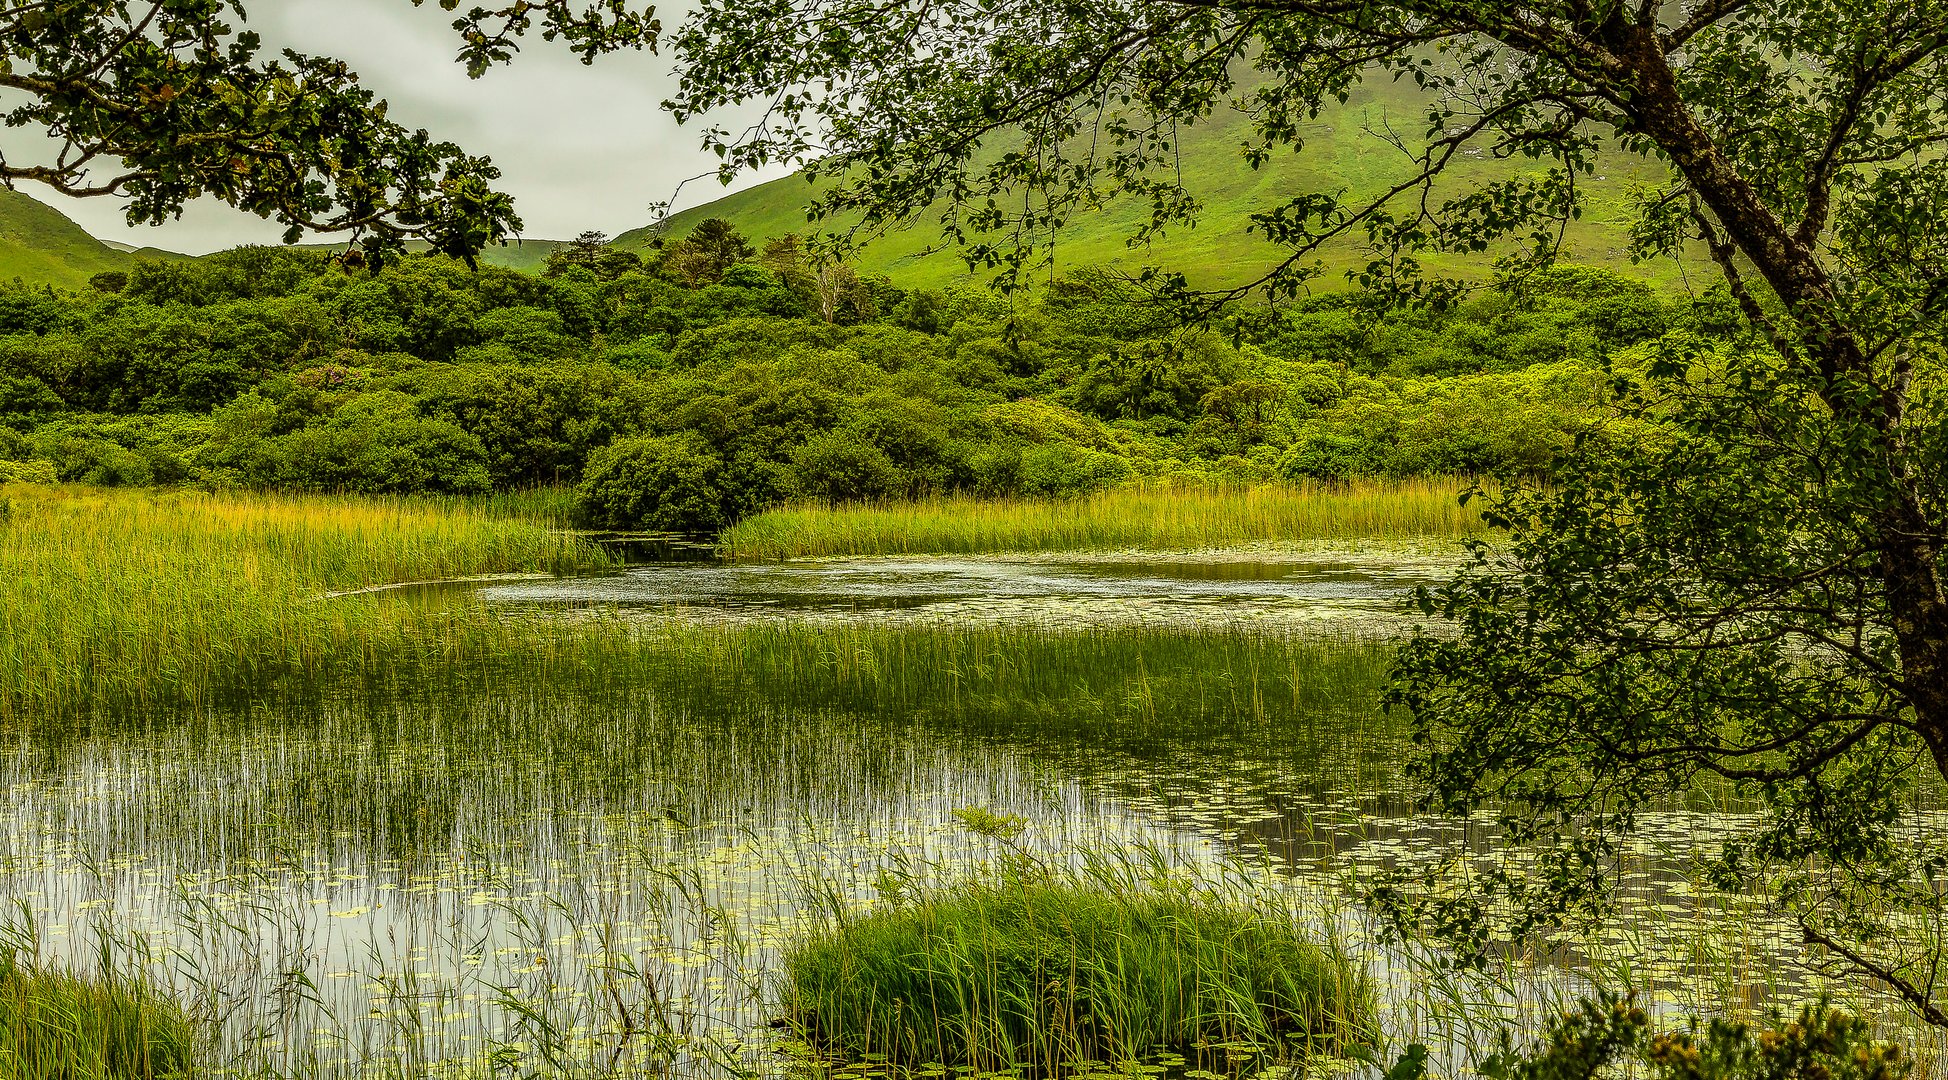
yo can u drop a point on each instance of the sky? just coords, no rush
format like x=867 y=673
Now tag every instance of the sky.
x=578 y=147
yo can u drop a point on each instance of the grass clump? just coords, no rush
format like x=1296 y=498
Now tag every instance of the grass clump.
x=1057 y=973
x=1150 y=517
x=56 y=1026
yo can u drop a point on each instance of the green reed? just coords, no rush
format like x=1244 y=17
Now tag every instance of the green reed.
x=1153 y=517
x=58 y=1026
x=1055 y=968
x=139 y=597
x=1125 y=686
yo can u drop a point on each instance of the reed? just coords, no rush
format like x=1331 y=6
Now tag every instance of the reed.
x=141 y=597
x=1058 y=970
x=1152 y=517
x=56 y=1026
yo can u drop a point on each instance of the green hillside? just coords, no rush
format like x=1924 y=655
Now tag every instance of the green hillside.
x=41 y=246
x=1342 y=151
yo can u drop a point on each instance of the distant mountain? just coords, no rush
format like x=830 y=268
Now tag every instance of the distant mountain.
x=1345 y=149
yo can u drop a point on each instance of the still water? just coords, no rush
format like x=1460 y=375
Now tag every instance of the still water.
x=516 y=867
x=1323 y=588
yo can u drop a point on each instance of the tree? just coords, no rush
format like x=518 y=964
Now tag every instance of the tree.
x=827 y=284
x=591 y=251
x=701 y=258
x=160 y=103
x=1750 y=593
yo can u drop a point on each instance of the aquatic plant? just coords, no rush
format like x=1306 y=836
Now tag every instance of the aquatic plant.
x=1154 y=517
x=58 y=1026
x=1053 y=970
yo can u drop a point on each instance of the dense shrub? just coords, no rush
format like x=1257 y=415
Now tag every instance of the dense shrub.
x=838 y=467
x=28 y=472
x=669 y=483
x=283 y=369
x=1611 y=1036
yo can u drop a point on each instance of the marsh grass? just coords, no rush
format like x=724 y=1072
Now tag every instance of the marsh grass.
x=58 y=1026
x=1150 y=517
x=554 y=506
x=1056 y=970
x=136 y=598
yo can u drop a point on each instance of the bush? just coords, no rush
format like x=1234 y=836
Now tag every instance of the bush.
x=376 y=444
x=28 y=472
x=1612 y=1037
x=1053 y=973
x=671 y=483
x=1329 y=456
x=1054 y=470
x=56 y=1027
x=98 y=461
x=836 y=467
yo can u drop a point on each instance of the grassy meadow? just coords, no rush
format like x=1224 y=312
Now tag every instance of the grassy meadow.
x=128 y=598
x=1155 y=518
x=1346 y=150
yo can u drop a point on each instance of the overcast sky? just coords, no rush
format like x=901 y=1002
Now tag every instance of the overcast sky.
x=578 y=147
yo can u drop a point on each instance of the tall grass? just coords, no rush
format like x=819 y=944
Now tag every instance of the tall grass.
x=137 y=597
x=1151 y=517
x=56 y=1026
x=553 y=505
x=1053 y=970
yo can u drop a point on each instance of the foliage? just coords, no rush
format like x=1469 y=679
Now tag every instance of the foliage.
x=591 y=252
x=1714 y=600
x=1609 y=1036
x=177 y=102
x=667 y=482
x=703 y=257
x=1036 y=969
x=277 y=369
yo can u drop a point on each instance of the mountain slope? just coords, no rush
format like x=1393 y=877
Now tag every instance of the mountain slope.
x=41 y=246
x=1345 y=150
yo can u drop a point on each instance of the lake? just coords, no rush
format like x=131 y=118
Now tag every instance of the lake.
x=590 y=861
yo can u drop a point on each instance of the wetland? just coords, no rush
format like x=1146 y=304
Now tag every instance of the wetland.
x=580 y=835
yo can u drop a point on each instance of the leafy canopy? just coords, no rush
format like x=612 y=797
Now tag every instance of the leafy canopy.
x=160 y=103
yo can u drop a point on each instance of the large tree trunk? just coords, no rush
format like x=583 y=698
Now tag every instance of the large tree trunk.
x=1908 y=543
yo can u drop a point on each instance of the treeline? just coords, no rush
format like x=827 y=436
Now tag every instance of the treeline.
x=689 y=389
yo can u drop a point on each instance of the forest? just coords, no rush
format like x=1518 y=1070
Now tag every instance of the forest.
x=712 y=381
